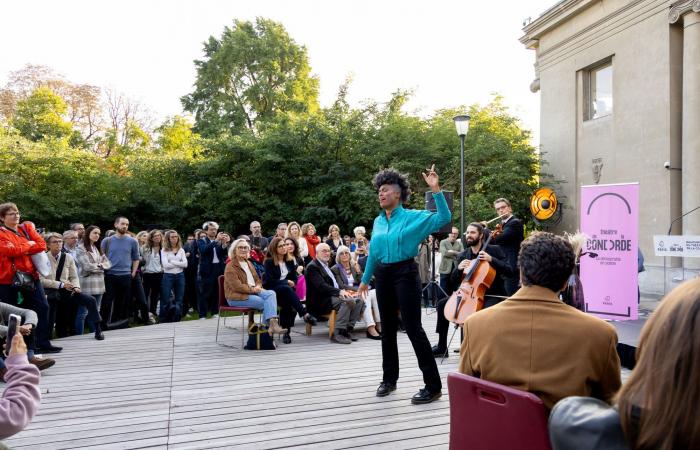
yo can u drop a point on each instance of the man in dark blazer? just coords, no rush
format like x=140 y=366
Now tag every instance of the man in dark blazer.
x=323 y=294
x=212 y=262
x=496 y=293
x=509 y=241
x=535 y=342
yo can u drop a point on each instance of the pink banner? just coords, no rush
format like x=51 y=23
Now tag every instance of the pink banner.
x=609 y=217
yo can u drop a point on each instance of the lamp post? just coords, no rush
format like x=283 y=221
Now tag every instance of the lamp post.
x=462 y=124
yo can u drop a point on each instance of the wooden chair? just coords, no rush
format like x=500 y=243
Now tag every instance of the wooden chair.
x=490 y=416
x=224 y=307
x=331 y=324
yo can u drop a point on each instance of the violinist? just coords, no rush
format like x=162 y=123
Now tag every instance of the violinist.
x=492 y=254
x=509 y=241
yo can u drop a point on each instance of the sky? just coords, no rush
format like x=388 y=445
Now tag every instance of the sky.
x=449 y=53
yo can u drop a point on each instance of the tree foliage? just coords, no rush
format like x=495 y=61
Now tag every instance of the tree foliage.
x=247 y=76
x=40 y=116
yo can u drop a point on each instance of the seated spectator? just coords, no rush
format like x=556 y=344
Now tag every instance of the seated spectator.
x=334 y=240
x=21 y=397
x=294 y=232
x=324 y=294
x=280 y=232
x=534 y=342
x=62 y=286
x=281 y=277
x=293 y=251
x=655 y=407
x=243 y=288
x=26 y=330
x=308 y=234
x=360 y=233
x=348 y=273
x=17 y=243
x=92 y=264
x=174 y=262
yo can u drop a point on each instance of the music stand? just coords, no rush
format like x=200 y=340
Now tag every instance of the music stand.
x=432 y=284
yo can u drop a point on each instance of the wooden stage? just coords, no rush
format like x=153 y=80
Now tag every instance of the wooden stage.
x=171 y=386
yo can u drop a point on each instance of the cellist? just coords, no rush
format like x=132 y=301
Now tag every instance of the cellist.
x=492 y=254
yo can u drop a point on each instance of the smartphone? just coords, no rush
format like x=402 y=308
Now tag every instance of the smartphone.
x=13 y=324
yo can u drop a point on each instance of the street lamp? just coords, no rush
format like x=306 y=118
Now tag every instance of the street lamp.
x=462 y=124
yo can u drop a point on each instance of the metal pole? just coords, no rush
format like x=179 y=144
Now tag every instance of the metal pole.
x=461 y=188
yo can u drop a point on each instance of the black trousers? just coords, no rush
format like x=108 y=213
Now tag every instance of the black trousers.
x=190 y=300
x=289 y=304
x=62 y=299
x=151 y=289
x=34 y=300
x=140 y=300
x=115 y=302
x=209 y=291
x=399 y=289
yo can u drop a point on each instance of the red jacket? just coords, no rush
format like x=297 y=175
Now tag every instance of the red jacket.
x=19 y=249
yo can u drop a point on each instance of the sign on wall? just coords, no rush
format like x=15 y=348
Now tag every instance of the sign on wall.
x=610 y=219
x=685 y=246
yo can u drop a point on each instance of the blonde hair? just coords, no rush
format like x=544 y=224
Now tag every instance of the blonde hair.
x=289 y=228
x=664 y=384
x=330 y=230
x=341 y=249
x=166 y=244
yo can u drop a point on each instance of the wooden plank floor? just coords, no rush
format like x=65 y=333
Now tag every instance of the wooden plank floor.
x=171 y=386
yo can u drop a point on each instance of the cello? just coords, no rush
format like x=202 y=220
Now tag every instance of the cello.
x=478 y=277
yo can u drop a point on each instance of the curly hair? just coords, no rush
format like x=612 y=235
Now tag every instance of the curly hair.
x=393 y=177
x=546 y=260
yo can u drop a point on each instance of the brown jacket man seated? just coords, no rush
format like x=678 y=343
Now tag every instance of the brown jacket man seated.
x=534 y=342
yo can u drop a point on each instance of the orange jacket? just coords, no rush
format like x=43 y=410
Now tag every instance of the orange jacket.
x=17 y=248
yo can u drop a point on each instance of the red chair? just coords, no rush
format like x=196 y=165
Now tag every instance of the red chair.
x=223 y=307
x=490 y=416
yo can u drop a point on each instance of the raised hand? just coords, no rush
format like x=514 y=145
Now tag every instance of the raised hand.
x=431 y=179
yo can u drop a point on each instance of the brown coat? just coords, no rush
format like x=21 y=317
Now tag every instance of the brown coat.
x=236 y=282
x=534 y=342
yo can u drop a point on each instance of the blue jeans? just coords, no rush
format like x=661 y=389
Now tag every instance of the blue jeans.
x=172 y=282
x=82 y=314
x=265 y=301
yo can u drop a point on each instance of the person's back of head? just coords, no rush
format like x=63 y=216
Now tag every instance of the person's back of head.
x=546 y=260
x=657 y=404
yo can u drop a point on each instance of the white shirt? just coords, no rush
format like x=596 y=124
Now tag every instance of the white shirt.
x=173 y=262
x=283 y=271
x=248 y=273
x=215 y=259
x=303 y=247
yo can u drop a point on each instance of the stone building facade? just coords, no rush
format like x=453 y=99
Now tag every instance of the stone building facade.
x=619 y=84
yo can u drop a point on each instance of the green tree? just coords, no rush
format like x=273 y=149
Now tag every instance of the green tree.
x=247 y=76
x=40 y=116
x=176 y=138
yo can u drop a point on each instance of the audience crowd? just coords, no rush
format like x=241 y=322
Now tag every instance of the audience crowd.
x=526 y=338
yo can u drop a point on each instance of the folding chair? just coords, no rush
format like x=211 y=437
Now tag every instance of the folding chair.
x=224 y=307
x=490 y=416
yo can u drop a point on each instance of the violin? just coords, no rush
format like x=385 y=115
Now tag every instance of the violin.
x=478 y=277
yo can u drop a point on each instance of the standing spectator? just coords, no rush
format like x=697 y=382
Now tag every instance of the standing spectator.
x=152 y=269
x=17 y=243
x=281 y=277
x=308 y=232
x=192 y=254
x=449 y=249
x=257 y=241
x=294 y=232
x=123 y=253
x=280 y=232
x=78 y=228
x=141 y=237
x=62 y=288
x=70 y=244
x=212 y=261
x=334 y=240
x=92 y=264
x=174 y=264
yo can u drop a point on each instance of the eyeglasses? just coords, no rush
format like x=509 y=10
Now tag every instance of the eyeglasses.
x=281 y=245
x=243 y=248
x=15 y=213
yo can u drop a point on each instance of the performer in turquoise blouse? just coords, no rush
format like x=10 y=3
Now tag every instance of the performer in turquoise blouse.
x=395 y=238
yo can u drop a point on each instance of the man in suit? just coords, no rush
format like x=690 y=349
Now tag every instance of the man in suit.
x=495 y=257
x=534 y=342
x=212 y=261
x=323 y=294
x=509 y=240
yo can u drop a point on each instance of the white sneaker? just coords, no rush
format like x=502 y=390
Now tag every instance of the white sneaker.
x=215 y=316
x=202 y=318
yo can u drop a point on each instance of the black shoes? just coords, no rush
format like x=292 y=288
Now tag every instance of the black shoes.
x=385 y=389
x=425 y=396
x=348 y=335
x=376 y=338
x=311 y=320
x=287 y=338
x=440 y=352
x=49 y=349
x=98 y=333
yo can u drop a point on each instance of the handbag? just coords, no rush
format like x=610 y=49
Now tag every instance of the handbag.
x=22 y=280
x=259 y=338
